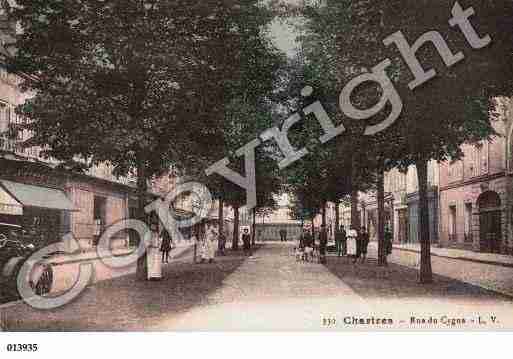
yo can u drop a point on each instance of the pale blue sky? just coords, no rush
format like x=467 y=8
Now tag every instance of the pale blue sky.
x=284 y=37
x=284 y=34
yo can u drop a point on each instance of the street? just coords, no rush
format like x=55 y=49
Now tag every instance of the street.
x=272 y=291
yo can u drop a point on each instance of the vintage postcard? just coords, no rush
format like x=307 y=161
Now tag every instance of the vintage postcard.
x=257 y=165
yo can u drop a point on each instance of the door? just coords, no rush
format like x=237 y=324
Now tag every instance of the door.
x=490 y=228
x=490 y=222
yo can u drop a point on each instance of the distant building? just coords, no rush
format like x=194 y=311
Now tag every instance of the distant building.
x=268 y=226
x=401 y=206
x=470 y=200
x=476 y=192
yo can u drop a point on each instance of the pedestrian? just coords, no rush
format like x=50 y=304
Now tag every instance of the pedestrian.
x=165 y=247
x=323 y=243
x=246 y=242
x=309 y=245
x=358 y=245
x=203 y=244
x=211 y=244
x=364 y=243
x=283 y=235
x=344 y=241
x=302 y=237
x=352 y=242
x=221 y=243
x=388 y=237
x=154 y=264
x=341 y=241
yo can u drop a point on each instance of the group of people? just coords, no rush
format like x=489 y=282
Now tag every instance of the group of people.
x=353 y=242
x=212 y=243
x=360 y=242
x=208 y=243
x=307 y=247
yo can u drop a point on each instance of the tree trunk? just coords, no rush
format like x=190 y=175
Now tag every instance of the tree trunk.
x=323 y=213
x=337 y=216
x=221 y=215
x=253 y=228
x=313 y=228
x=382 y=258
x=235 y=241
x=142 y=189
x=355 y=220
x=425 y=275
x=354 y=209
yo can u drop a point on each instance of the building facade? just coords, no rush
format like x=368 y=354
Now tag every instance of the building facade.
x=476 y=192
x=48 y=202
x=401 y=206
x=268 y=226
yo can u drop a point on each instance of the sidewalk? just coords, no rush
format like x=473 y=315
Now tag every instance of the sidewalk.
x=124 y=303
x=67 y=267
x=460 y=254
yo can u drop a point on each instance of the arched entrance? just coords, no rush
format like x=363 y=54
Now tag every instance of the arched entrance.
x=489 y=204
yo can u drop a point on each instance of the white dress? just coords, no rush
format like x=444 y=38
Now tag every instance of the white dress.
x=209 y=246
x=351 y=242
x=154 y=257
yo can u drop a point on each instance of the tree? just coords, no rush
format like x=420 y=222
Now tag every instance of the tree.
x=341 y=166
x=138 y=84
x=249 y=107
x=250 y=122
x=442 y=114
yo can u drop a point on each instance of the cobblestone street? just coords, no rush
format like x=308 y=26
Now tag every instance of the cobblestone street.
x=271 y=291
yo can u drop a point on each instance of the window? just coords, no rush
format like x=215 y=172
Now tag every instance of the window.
x=452 y=223
x=468 y=222
x=479 y=156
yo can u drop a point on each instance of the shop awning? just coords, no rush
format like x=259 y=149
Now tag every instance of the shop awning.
x=36 y=196
x=9 y=205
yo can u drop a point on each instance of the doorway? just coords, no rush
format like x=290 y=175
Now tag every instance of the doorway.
x=99 y=214
x=490 y=213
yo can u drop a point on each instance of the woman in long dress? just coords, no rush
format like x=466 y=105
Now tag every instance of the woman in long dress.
x=209 y=245
x=352 y=235
x=153 y=254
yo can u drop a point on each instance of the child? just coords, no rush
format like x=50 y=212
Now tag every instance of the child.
x=299 y=254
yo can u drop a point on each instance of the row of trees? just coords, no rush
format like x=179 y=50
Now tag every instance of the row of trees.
x=143 y=85
x=342 y=39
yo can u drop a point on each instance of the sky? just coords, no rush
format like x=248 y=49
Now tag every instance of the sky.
x=284 y=33
x=284 y=37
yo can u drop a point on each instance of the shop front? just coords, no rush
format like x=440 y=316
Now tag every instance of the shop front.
x=41 y=212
